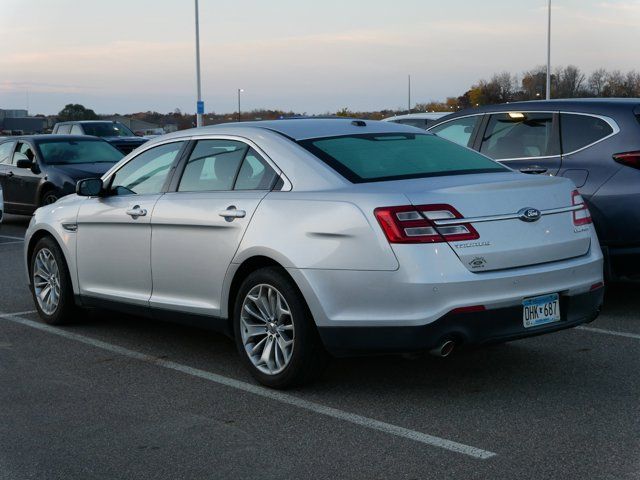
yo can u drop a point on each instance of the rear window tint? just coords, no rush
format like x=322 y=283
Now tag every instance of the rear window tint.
x=393 y=156
x=578 y=131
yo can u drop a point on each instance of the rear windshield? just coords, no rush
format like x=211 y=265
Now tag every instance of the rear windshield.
x=63 y=152
x=107 y=129
x=393 y=156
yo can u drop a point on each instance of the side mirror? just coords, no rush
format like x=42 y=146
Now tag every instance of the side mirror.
x=89 y=187
x=24 y=163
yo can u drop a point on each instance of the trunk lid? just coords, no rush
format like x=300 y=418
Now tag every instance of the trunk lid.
x=496 y=206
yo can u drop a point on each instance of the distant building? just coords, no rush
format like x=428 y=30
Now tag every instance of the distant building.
x=18 y=122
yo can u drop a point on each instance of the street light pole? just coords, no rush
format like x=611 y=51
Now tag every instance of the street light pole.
x=409 y=96
x=240 y=90
x=200 y=104
x=549 y=50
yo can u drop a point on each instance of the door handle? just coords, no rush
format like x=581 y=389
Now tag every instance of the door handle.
x=231 y=212
x=534 y=169
x=9 y=174
x=136 y=212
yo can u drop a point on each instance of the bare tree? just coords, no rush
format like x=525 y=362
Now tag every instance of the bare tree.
x=597 y=82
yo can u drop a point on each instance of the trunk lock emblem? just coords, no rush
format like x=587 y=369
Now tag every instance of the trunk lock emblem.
x=529 y=214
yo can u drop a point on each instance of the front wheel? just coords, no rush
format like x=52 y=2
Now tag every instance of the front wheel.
x=274 y=331
x=50 y=283
x=48 y=198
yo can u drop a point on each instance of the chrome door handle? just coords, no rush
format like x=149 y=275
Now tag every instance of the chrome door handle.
x=533 y=169
x=136 y=212
x=231 y=212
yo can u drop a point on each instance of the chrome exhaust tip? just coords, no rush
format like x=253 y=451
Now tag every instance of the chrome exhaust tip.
x=444 y=350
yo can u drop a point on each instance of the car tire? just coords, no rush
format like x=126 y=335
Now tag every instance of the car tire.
x=49 y=197
x=270 y=310
x=48 y=269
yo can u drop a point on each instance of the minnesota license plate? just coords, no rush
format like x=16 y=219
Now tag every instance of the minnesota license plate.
x=540 y=310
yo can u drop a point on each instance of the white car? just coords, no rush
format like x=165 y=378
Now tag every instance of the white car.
x=420 y=120
x=304 y=236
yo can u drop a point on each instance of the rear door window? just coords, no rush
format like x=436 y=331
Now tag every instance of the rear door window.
x=76 y=130
x=255 y=173
x=64 y=129
x=212 y=166
x=520 y=135
x=459 y=130
x=578 y=131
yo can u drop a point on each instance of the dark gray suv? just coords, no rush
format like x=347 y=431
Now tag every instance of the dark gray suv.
x=595 y=142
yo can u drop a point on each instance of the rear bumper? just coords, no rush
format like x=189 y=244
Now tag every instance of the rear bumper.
x=489 y=326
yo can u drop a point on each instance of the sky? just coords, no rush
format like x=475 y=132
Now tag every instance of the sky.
x=125 y=56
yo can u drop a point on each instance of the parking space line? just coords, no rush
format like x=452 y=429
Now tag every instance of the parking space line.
x=610 y=332
x=11 y=243
x=261 y=391
x=12 y=238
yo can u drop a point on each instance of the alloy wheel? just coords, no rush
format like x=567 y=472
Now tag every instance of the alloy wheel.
x=46 y=281
x=267 y=329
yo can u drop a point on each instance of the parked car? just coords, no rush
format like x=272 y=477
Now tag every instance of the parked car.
x=37 y=170
x=304 y=236
x=593 y=142
x=421 y=120
x=116 y=133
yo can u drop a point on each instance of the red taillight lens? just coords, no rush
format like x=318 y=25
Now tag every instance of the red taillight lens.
x=415 y=224
x=630 y=159
x=582 y=216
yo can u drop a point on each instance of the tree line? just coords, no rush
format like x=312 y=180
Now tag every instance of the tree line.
x=566 y=82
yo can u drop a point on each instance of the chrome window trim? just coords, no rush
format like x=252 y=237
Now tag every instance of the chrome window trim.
x=506 y=216
x=288 y=186
x=610 y=121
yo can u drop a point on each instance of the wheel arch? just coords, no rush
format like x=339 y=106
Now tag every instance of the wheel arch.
x=242 y=271
x=31 y=243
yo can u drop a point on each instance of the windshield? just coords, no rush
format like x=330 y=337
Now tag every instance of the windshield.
x=395 y=156
x=65 y=152
x=107 y=129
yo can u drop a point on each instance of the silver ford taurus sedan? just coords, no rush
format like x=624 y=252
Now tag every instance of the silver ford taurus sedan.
x=308 y=237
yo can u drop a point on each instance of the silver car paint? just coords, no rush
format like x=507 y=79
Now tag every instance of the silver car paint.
x=322 y=231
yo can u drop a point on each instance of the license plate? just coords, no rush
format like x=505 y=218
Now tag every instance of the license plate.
x=540 y=310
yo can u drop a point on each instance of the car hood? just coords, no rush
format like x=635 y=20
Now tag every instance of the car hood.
x=79 y=171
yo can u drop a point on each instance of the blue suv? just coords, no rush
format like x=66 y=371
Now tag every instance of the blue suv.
x=595 y=142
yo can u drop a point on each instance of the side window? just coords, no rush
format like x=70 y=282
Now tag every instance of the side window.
x=23 y=152
x=6 y=149
x=146 y=173
x=255 y=173
x=64 y=129
x=76 y=130
x=458 y=131
x=578 y=131
x=212 y=166
x=520 y=135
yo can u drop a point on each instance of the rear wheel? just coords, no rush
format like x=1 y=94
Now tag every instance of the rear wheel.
x=48 y=198
x=274 y=331
x=50 y=283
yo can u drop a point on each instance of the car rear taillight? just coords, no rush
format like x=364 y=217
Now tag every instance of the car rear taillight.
x=581 y=216
x=630 y=159
x=415 y=224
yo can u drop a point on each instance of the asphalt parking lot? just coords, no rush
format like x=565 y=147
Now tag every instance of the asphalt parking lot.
x=123 y=397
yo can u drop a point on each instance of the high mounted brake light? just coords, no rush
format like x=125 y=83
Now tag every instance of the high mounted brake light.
x=582 y=216
x=415 y=224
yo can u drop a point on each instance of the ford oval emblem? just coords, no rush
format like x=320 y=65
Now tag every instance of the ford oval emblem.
x=529 y=214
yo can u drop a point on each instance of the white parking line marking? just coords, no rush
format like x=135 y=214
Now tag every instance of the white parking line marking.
x=11 y=243
x=262 y=391
x=12 y=238
x=610 y=332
